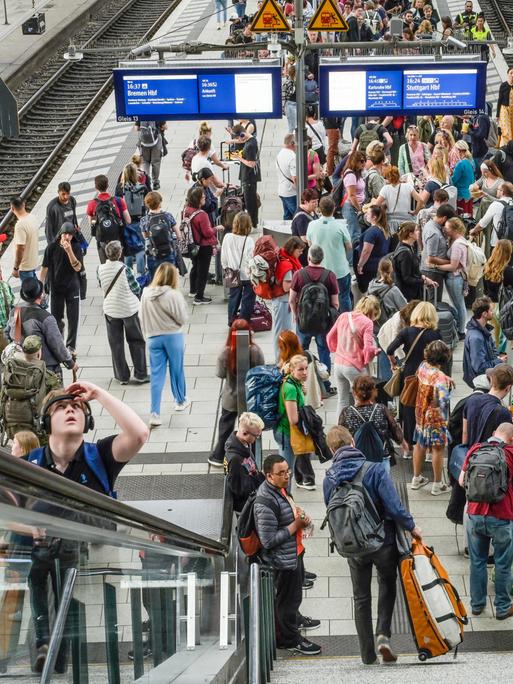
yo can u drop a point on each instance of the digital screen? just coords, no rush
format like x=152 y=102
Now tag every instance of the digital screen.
x=355 y=89
x=173 y=94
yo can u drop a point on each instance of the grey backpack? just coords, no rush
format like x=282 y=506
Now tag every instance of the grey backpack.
x=487 y=475
x=356 y=528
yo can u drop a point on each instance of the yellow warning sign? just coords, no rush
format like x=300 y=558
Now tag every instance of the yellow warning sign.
x=269 y=19
x=328 y=18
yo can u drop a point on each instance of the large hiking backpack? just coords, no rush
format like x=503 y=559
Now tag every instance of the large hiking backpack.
x=263 y=385
x=367 y=135
x=187 y=245
x=23 y=391
x=367 y=438
x=134 y=198
x=265 y=286
x=246 y=526
x=108 y=223
x=487 y=474
x=159 y=236
x=356 y=528
x=506 y=310
x=148 y=134
x=314 y=305
x=505 y=227
x=476 y=260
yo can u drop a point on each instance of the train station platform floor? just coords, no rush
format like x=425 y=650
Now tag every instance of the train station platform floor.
x=181 y=446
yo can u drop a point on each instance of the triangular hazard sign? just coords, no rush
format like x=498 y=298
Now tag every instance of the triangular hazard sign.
x=328 y=18
x=269 y=19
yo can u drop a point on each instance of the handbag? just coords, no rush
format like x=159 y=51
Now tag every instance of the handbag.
x=393 y=386
x=300 y=443
x=231 y=276
x=261 y=318
x=408 y=396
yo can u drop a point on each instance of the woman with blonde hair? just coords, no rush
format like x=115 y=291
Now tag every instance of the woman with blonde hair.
x=414 y=339
x=463 y=177
x=498 y=272
x=352 y=340
x=236 y=251
x=23 y=442
x=437 y=177
x=163 y=314
x=456 y=282
x=205 y=130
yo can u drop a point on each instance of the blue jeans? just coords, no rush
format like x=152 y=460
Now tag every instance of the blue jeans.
x=166 y=351
x=344 y=293
x=351 y=216
x=24 y=275
x=222 y=11
x=455 y=285
x=481 y=530
x=243 y=297
x=240 y=8
x=153 y=263
x=140 y=261
x=282 y=320
x=289 y=207
x=322 y=348
x=291 y=114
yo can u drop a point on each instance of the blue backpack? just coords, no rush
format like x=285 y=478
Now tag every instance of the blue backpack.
x=92 y=458
x=134 y=241
x=262 y=391
x=367 y=438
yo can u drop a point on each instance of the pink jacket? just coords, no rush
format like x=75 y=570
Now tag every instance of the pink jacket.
x=352 y=341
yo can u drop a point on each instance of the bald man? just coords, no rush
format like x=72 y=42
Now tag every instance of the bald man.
x=492 y=522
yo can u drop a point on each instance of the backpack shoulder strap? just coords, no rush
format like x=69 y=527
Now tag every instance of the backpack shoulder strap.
x=94 y=461
x=358 y=478
x=353 y=408
x=324 y=276
x=37 y=456
x=270 y=502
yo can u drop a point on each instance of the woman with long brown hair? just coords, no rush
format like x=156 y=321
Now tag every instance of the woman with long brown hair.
x=498 y=272
x=354 y=187
x=227 y=370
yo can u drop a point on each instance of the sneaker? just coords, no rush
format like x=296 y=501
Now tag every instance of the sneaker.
x=142 y=381
x=123 y=382
x=439 y=488
x=305 y=647
x=154 y=420
x=307 y=584
x=147 y=652
x=305 y=622
x=477 y=611
x=39 y=663
x=505 y=616
x=191 y=294
x=407 y=456
x=202 y=300
x=214 y=462
x=418 y=482
x=308 y=484
x=310 y=575
x=183 y=405
x=156 y=185
x=385 y=650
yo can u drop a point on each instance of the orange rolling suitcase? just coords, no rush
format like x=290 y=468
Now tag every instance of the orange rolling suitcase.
x=437 y=614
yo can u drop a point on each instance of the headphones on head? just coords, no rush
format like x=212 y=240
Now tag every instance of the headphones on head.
x=45 y=421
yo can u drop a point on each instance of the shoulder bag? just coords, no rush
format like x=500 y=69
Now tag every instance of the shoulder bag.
x=408 y=396
x=394 y=385
x=231 y=276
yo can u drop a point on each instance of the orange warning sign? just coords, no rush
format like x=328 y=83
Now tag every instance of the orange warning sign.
x=269 y=19
x=328 y=18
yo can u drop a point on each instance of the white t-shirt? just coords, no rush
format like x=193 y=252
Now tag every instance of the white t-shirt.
x=397 y=203
x=199 y=162
x=318 y=140
x=493 y=215
x=286 y=169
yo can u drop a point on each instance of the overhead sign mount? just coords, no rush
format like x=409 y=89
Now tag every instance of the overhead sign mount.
x=270 y=19
x=328 y=18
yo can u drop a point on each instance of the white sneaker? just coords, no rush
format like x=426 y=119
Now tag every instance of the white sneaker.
x=181 y=407
x=418 y=482
x=439 y=488
x=155 y=420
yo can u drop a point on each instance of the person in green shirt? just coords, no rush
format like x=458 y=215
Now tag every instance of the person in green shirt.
x=290 y=399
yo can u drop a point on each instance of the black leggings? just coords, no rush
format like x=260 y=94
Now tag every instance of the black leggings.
x=199 y=271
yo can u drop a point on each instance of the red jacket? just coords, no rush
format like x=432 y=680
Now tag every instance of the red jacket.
x=204 y=234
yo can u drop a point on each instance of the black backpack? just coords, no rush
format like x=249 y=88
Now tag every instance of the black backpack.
x=314 y=305
x=160 y=236
x=367 y=438
x=487 y=475
x=109 y=225
x=505 y=227
x=506 y=310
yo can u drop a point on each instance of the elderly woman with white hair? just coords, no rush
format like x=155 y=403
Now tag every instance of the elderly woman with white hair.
x=463 y=177
x=120 y=307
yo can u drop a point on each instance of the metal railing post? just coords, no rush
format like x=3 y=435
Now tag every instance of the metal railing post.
x=191 y=611
x=70 y=578
x=254 y=624
x=225 y=610
x=242 y=346
x=135 y=605
x=111 y=633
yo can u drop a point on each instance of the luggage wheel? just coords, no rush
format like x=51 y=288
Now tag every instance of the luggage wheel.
x=423 y=655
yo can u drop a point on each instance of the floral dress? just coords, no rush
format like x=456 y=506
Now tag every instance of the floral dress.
x=432 y=407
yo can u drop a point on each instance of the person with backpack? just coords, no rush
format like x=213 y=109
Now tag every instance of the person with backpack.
x=108 y=216
x=288 y=263
x=396 y=197
x=353 y=196
x=236 y=251
x=151 y=145
x=227 y=371
x=479 y=350
x=25 y=383
x=133 y=191
x=434 y=248
x=352 y=340
x=368 y=132
x=349 y=464
x=121 y=294
x=242 y=475
x=490 y=511
x=498 y=218
x=204 y=238
x=279 y=524
x=63 y=262
x=313 y=300
x=432 y=415
x=66 y=418
x=371 y=424
x=334 y=240
x=160 y=231
x=457 y=280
